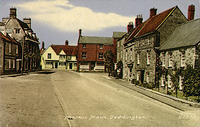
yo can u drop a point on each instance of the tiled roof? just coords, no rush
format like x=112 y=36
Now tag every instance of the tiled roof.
x=151 y=24
x=95 y=40
x=69 y=50
x=118 y=34
x=184 y=35
x=7 y=38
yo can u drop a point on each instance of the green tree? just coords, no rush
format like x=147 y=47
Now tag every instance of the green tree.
x=108 y=60
x=191 y=86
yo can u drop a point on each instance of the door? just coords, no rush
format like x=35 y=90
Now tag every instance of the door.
x=56 y=65
x=70 y=65
x=142 y=76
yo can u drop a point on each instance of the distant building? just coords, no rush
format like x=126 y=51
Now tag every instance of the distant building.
x=60 y=57
x=181 y=48
x=91 y=51
x=10 y=55
x=22 y=32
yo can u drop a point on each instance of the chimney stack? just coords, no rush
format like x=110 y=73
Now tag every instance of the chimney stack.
x=191 y=11
x=42 y=44
x=13 y=12
x=66 y=42
x=129 y=26
x=153 y=11
x=27 y=21
x=138 y=20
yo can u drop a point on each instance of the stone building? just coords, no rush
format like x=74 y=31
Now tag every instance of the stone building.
x=141 y=45
x=22 y=32
x=10 y=55
x=181 y=48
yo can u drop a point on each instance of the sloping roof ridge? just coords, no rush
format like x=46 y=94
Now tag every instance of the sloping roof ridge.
x=172 y=10
x=96 y=36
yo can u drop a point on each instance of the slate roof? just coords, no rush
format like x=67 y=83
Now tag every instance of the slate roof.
x=187 y=34
x=151 y=24
x=69 y=50
x=23 y=25
x=96 y=40
x=118 y=34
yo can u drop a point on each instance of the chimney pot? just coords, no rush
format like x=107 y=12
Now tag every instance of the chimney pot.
x=153 y=12
x=191 y=11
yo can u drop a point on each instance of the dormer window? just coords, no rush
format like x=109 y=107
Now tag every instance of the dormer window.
x=101 y=46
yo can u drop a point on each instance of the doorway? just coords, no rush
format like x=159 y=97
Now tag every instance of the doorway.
x=70 y=65
x=56 y=65
x=142 y=76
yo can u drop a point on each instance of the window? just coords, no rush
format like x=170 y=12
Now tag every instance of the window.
x=170 y=60
x=62 y=56
x=84 y=55
x=13 y=63
x=163 y=59
x=169 y=81
x=10 y=64
x=138 y=76
x=10 y=47
x=84 y=45
x=163 y=80
x=147 y=78
x=180 y=82
x=49 y=56
x=126 y=57
x=148 y=58
x=182 y=59
x=138 y=58
x=101 y=46
x=17 y=49
x=100 y=55
x=17 y=30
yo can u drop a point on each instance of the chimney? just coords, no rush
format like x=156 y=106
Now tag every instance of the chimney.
x=191 y=10
x=80 y=32
x=138 y=20
x=13 y=12
x=153 y=12
x=129 y=26
x=27 y=21
x=42 y=44
x=66 y=42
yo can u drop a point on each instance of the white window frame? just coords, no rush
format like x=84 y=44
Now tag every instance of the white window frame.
x=148 y=58
x=10 y=64
x=138 y=58
x=170 y=61
x=163 y=80
x=9 y=47
x=180 y=82
x=84 y=55
x=169 y=82
x=182 y=59
x=163 y=59
x=48 y=54
x=138 y=76
x=100 y=55
x=13 y=63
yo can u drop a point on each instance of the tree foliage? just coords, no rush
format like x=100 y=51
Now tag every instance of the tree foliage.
x=108 y=60
x=191 y=86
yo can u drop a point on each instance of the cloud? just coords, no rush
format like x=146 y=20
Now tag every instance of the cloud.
x=64 y=16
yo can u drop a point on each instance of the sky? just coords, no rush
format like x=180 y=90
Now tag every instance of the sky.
x=55 y=21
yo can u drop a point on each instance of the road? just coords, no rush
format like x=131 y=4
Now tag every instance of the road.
x=94 y=100
x=74 y=99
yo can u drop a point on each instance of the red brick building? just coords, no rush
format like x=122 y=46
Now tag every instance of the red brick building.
x=91 y=50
